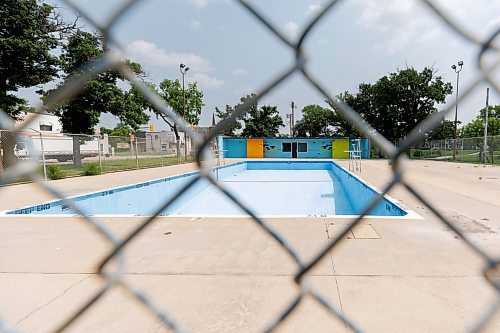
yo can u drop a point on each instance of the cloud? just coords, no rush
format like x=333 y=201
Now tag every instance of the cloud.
x=313 y=9
x=195 y=25
x=149 y=52
x=239 y=72
x=205 y=81
x=243 y=90
x=291 y=27
x=400 y=22
x=430 y=35
x=405 y=21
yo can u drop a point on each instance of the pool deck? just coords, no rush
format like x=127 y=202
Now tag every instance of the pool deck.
x=227 y=275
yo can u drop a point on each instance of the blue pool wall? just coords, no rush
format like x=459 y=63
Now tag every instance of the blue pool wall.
x=146 y=194
x=316 y=147
x=358 y=192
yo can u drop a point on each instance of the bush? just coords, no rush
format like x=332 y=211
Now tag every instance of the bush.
x=54 y=171
x=91 y=169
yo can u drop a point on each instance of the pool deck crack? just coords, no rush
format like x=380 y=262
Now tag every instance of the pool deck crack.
x=52 y=300
x=338 y=291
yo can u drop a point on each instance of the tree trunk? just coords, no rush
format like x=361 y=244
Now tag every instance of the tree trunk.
x=77 y=156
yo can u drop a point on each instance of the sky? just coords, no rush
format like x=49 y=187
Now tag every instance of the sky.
x=231 y=54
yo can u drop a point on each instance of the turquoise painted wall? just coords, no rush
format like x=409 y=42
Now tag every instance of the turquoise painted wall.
x=235 y=147
x=273 y=147
x=316 y=148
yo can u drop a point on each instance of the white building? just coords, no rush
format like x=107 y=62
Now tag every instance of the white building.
x=152 y=141
x=43 y=122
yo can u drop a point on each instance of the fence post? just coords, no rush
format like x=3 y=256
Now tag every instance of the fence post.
x=136 y=153
x=445 y=153
x=43 y=156
x=161 y=153
x=462 y=149
x=99 y=152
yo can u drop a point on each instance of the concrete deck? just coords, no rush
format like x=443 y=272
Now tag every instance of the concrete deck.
x=227 y=275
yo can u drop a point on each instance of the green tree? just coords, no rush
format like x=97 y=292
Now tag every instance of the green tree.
x=121 y=130
x=475 y=128
x=261 y=122
x=341 y=126
x=445 y=130
x=104 y=130
x=316 y=121
x=493 y=112
x=101 y=95
x=224 y=114
x=190 y=108
x=397 y=103
x=29 y=33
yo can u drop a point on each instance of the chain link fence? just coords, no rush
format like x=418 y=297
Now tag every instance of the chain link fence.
x=468 y=150
x=112 y=267
x=61 y=155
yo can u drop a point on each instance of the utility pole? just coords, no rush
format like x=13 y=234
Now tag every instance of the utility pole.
x=292 y=120
x=183 y=68
x=485 y=141
x=457 y=70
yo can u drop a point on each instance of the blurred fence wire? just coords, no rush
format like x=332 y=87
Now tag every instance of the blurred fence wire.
x=112 y=274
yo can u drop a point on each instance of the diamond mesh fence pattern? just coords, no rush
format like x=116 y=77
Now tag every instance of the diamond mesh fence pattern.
x=111 y=268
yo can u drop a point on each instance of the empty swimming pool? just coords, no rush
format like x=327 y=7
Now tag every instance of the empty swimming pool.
x=268 y=188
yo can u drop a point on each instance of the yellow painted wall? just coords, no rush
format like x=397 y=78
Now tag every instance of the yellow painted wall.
x=255 y=148
x=340 y=148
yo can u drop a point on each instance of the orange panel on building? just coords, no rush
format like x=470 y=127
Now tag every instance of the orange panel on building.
x=255 y=148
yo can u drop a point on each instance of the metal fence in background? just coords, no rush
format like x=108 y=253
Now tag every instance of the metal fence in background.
x=113 y=274
x=469 y=150
x=60 y=155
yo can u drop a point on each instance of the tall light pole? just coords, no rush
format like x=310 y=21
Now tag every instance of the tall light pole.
x=485 y=139
x=291 y=116
x=183 y=68
x=457 y=70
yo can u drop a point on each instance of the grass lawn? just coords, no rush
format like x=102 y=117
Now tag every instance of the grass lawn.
x=466 y=156
x=125 y=164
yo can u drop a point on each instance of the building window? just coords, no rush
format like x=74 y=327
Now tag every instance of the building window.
x=46 y=127
x=302 y=147
x=286 y=147
x=156 y=137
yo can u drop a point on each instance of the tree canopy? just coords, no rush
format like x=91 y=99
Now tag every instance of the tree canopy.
x=101 y=95
x=225 y=114
x=29 y=34
x=172 y=93
x=261 y=122
x=316 y=121
x=398 y=102
x=120 y=129
x=445 y=130
x=476 y=127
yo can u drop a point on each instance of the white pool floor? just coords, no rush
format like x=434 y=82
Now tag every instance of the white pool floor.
x=268 y=193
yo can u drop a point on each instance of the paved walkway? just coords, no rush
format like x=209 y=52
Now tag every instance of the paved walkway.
x=227 y=275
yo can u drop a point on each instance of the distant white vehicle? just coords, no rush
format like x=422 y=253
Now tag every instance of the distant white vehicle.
x=55 y=146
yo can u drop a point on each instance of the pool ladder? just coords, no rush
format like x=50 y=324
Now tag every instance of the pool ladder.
x=355 y=156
